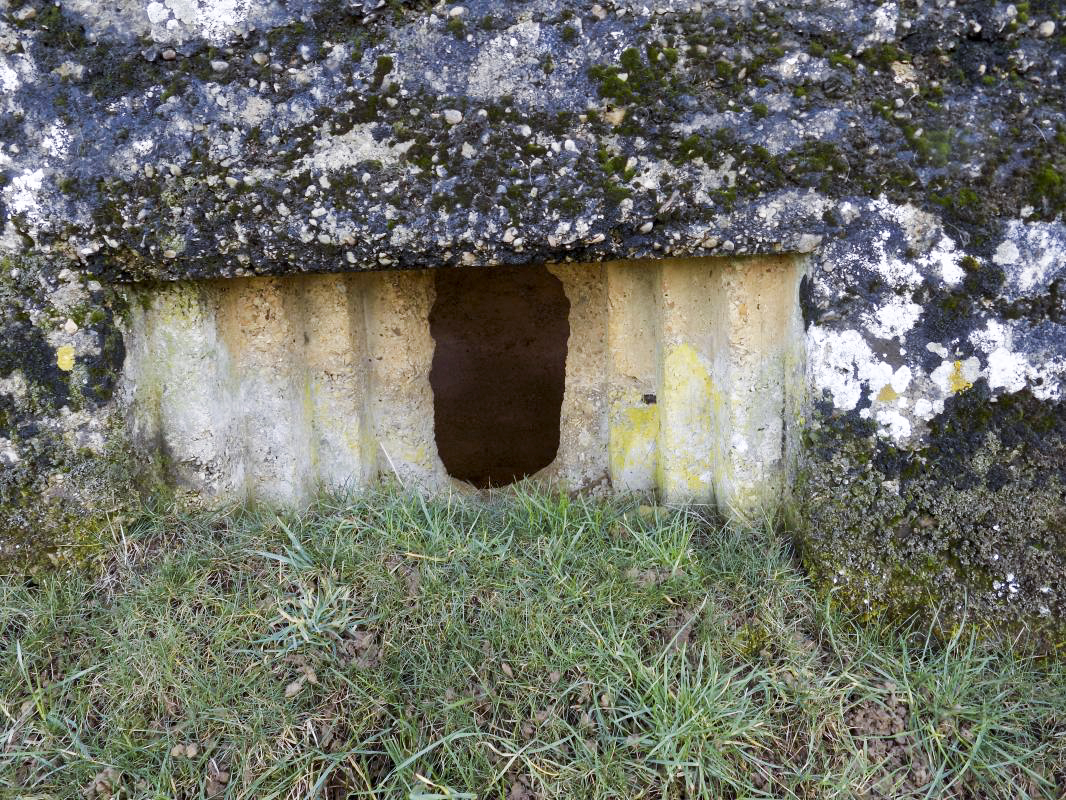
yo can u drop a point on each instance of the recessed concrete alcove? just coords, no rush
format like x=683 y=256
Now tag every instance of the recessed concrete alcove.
x=679 y=376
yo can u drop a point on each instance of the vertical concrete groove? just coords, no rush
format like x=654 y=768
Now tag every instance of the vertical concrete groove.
x=333 y=374
x=296 y=302
x=358 y=339
x=365 y=288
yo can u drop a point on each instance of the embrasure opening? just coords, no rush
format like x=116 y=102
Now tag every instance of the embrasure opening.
x=499 y=370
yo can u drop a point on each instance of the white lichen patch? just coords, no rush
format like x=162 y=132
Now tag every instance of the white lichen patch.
x=944 y=260
x=142 y=147
x=782 y=134
x=891 y=421
x=16 y=71
x=15 y=386
x=9 y=455
x=213 y=20
x=778 y=134
x=920 y=228
x=793 y=205
x=56 y=140
x=902 y=399
x=499 y=68
x=22 y=195
x=842 y=363
x=894 y=318
x=1032 y=255
x=885 y=19
x=9 y=79
x=252 y=110
x=332 y=153
x=1007 y=254
x=1009 y=369
x=801 y=67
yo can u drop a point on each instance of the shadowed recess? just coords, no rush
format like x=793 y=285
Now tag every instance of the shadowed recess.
x=498 y=372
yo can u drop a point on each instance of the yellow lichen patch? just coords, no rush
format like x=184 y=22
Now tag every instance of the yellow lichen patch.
x=957 y=380
x=65 y=358
x=691 y=404
x=632 y=439
x=887 y=394
x=686 y=376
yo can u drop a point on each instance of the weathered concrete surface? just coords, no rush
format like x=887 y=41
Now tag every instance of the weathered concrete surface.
x=272 y=388
x=917 y=152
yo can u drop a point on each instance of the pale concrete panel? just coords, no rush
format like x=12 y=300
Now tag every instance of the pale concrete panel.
x=634 y=351
x=400 y=355
x=582 y=457
x=691 y=399
x=262 y=325
x=332 y=321
x=762 y=351
x=181 y=391
x=681 y=375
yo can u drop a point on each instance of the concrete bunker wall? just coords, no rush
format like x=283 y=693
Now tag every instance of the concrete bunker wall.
x=682 y=376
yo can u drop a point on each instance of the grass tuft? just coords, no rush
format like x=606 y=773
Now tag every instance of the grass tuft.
x=528 y=645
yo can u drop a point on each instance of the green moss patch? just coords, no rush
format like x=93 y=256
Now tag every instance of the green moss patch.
x=973 y=524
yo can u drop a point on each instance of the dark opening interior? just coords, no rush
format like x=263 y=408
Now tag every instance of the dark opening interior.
x=498 y=372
